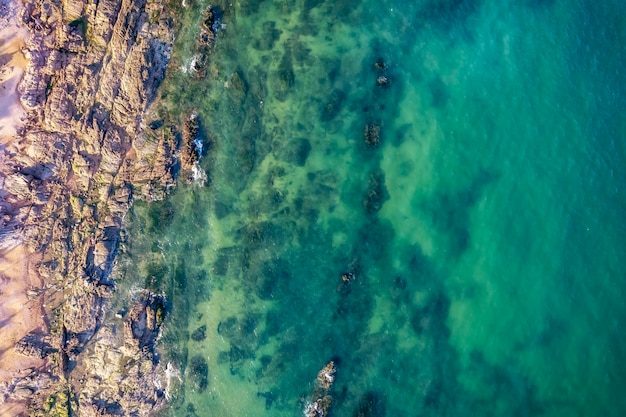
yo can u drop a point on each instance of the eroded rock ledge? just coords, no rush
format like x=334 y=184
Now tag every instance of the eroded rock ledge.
x=65 y=186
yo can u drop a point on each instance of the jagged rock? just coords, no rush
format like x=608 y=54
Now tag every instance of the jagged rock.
x=204 y=44
x=383 y=79
x=192 y=142
x=207 y=33
x=320 y=402
x=23 y=393
x=326 y=376
x=82 y=157
x=143 y=323
x=34 y=345
x=19 y=186
x=73 y=9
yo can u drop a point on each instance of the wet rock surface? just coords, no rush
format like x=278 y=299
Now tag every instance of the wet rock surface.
x=320 y=400
x=84 y=154
x=205 y=41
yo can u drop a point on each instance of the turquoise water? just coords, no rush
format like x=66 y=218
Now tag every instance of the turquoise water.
x=483 y=220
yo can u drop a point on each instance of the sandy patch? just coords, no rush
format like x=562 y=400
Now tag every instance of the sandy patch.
x=21 y=306
x=12 y=66
x=21 y=311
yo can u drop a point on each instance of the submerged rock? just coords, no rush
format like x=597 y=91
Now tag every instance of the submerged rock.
x=372 y=135
x=376 y=194
x=332 y=106
x=199 y=373
x=269 y=37
x=237 y=87
x=199 y=334
x=296 y=151
x=370 y=405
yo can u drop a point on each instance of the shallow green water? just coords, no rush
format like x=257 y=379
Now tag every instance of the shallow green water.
x=485 y=231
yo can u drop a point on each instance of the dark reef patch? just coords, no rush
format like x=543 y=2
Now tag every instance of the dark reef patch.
x=432 y=316
x=331 y=107
x=295 y=151
x=376 y=194
x=371 y=404
x=450 y=211
x=199 y=373
x=268 y=38
x=445 y=14
x=199 y=334
x=439 y=92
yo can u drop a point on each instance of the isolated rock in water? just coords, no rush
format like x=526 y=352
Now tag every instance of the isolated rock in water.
x=199 y=372
x=382 y=79
x=320 y=400
x=326 y=376
x=380 y=64
x=204 y=44
x=193 y=146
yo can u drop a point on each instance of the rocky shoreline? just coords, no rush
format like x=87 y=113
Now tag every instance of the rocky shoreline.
x=83 y=154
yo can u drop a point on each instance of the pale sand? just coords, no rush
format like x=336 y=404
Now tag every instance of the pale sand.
x=19 y=313
x=12 y=66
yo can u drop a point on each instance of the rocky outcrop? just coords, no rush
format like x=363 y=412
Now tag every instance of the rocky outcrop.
x=320 y=399
x=34 y=345
x=120 y=371
x=204 y=43
x=65 y=186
